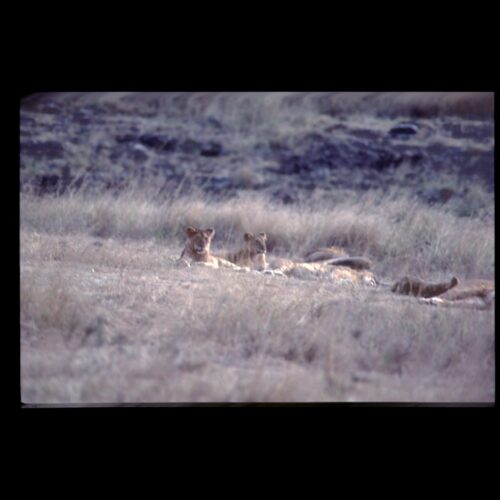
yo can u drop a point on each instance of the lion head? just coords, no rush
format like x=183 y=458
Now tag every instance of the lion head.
x=255 y=245
x=199 y=240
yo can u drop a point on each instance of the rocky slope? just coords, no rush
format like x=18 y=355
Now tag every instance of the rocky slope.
x=280 y=145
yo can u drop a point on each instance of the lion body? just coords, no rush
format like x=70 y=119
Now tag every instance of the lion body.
x=324 y=253
x=252 y=254
x=470 y=288
x=420 y=288
x=314 y=270
x=197 y=249
x=467 y=293
x=341 y=269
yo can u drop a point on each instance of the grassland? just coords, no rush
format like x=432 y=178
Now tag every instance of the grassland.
x=107 y=317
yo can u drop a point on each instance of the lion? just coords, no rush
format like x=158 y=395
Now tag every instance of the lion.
x=197 y=250
x=252 y=254
x=472 y=293
x=337 y=256
x=349 y=270
x=357 y=263
x=420 y=288
x=469 y=293
x=324 y=253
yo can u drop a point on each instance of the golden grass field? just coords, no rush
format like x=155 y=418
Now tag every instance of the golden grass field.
x=107 y=316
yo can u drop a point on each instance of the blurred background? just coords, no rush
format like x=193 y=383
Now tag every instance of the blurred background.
x=291 y=147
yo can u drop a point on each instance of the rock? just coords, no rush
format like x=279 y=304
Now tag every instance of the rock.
x=221 y=183
x=115 y=154
x=414 y=158
x=46 y=184
x=46 y=149
x=325 y=153
x=387 y=159
x=190 y=146
x=66 y=175
x=159 y=142
x=126 y=138
x=169 y=146
x=371 y=157
x=445 y=194
x=293 y=164
x=138 y=153
x=285 y=196
x=211 y=149
x=404 y=130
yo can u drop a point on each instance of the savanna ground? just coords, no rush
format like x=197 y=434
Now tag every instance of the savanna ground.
x=107 y=316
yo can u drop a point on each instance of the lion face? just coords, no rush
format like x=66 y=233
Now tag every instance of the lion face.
x=256 y=245
x=199 y=239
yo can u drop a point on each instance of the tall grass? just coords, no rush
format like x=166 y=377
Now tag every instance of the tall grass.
x=203 y=335
x=106 y=316
x=400 y=234
x=257 y=109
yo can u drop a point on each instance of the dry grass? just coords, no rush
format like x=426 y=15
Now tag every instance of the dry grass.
x=245 y=109
x=415 y=104
x=398 y=234
x=107 y=317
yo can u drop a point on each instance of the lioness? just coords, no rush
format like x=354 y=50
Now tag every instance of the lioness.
x=350 y=271
x=252 y=254
x=470 y=293
x=337 y=256
x=420 y=288
x=324 y=253
x=197 y=249
x=358 y=263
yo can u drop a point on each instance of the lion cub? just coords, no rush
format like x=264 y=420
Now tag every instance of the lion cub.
x=197 y=250
x=252 y=254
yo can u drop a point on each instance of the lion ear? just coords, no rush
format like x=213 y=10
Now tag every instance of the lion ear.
x=263 y=236
x=248 y=236
x=190 y=230
x=210 y=232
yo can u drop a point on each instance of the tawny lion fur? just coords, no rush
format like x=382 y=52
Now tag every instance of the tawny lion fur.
x=339 y=273
x=197 y=249
x=420 y=288
x=252 y=254
x=324 y=253
x=354 y=270
x=470 y=293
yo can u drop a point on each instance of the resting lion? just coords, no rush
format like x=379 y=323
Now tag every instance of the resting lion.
x=337 y=256
x=197 y=250
x=473 y=292
x=420 y=288
x=252 y=254
x=324 y=253
x=347 y=270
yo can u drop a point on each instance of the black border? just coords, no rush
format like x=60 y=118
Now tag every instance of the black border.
x=392 y=56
